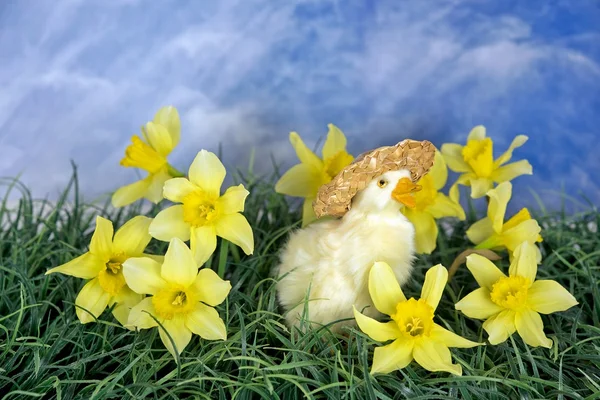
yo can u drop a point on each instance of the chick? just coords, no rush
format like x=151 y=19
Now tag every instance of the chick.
x=328 y=262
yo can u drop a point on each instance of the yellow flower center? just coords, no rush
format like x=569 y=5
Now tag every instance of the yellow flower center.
x=511 y=292
x=426 y=196
x=414 y=317
x=174 y=300
x=111 y=278
x=479 y=155
x=200 y=209
x=139 y=154
x=335 y=163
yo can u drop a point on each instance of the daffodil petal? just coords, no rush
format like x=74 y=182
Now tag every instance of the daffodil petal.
x=101 y=244
x=450 y=339
x=380 y=331
x=93 y=299
x=125 y=299
x=477 y=133
x=443 y=206
x=236 y=229
x=85 y=266
x=392 y=357
x=531 y=328
x=484 y=271
x=211 y=288
x=524 y=262
x=175 y=189
x=180 y=334
x=500 y=326
x=159 y=138
x=156 y=185
x=305 y=155
x=139 y=316
x=207 y=172
x=133 y=237
x=179 y=267
x=302 y=180
x=480 y=231
x=130 y=193
x=142 y=275
x=499 y=199
x=435 y=282
x=169 y=224
x=205 y=321
x=308 y=212
x=526 y=231
x=478 y=304
x=452 y=153
x=384 y=288
x=547 y=297
x=335 y=142
x=435 y=356
x=169 y=118
x=480 y=186
x=203 y=243
x=439 y=171
x=510 y=171
x=507 y=155
x=426 y=230
x=233 y=200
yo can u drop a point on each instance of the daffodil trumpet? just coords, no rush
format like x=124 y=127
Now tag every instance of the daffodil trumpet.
x=414 y=334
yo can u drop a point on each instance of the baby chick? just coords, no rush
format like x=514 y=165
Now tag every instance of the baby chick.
x=328 y=262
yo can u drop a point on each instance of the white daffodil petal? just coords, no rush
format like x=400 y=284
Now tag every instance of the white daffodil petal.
x=133 y=237
x=177 y=331
x=211 y=288
x=159 y=138
x=384 y=288
x=380 y=331
x=101 y=244
x=93 y=299
x=179 y=267
x=478 y=304
x=500 y=326
x=531 y=328
x=203 y=243
x=169 y=224
x=86 y=266
x=157 y=182
x=142 y=275
x=207 y=172
x=548 y=297
x=236 y=229
x=435 y=282
x=126 y=299
x=205 y=321
x=175 y=189
x=392 y=357
x=477 y=133
x=484 y=271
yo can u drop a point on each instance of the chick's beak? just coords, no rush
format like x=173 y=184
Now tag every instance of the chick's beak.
x=403 y=192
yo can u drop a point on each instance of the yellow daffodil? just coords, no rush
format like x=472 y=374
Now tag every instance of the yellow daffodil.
x=304 y=179
x=102 y=265
x=150 y=154
x=514 y=302
x=204 y=214
x=182 y=298
x=476 y=163
x=414 y=334
x=495 y=234
x=430 y=205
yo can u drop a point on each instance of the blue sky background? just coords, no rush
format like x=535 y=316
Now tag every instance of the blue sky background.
x=78 y=78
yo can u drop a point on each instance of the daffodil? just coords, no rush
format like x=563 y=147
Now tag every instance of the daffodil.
x=514 y=302
x=305 y=179
x=203 y=213
x=103 y=266
x=476 y=163
x=182 y=299
x=430 y=205
x=150 y=154
x=414 y=334
x=495 y=234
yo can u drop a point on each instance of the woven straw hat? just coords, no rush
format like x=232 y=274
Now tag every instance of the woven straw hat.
x=334 y=198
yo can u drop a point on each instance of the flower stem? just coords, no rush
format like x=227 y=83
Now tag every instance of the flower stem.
x=223 y=258
x=174 y=172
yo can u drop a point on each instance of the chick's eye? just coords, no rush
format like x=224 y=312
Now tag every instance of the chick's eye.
x=382 y=183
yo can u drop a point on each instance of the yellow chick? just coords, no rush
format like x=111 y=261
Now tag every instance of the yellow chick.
x=328 y=262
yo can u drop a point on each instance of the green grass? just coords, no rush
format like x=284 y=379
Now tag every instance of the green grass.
x=46 y=353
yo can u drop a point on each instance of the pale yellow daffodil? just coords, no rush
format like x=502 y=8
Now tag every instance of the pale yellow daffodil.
x=415 y=336
x=305 y=179
x=204 y=214
x=495 y=234
x=102 y=265
x=182 y=299
x=430 y=205
x=161 y=135
x=514 y=302
x=476 y=163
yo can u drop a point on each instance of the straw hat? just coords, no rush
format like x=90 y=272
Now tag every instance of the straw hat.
x=334 y=198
